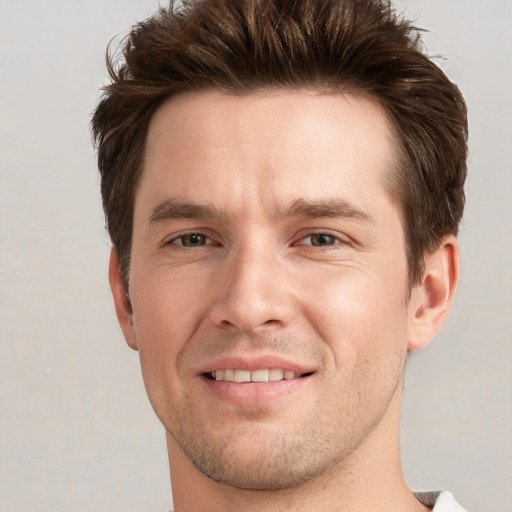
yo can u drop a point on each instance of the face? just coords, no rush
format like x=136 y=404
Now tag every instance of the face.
x=268 y=281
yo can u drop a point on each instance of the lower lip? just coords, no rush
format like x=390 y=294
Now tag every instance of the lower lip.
x=253 y=393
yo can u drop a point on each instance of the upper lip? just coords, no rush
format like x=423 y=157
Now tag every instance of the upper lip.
x=255 y=362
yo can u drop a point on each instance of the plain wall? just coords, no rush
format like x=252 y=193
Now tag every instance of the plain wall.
x=76 y=430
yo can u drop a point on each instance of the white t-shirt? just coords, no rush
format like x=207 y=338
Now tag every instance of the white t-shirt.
x=442 y=501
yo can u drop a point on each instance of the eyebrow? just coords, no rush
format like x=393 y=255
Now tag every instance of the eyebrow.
x=177 y=209
x=172 y=209
x=327 y=208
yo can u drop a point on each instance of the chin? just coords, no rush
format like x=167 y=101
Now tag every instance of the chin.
x=264 y=459
x=268 y=474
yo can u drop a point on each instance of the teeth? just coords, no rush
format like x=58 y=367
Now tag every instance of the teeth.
x=263 y=375
x=242 y=376
x=260 y=376
x=275 y=375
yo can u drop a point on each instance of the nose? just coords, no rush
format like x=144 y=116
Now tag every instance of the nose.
x=253 y=292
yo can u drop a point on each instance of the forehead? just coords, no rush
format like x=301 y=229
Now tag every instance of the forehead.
x=265 y=148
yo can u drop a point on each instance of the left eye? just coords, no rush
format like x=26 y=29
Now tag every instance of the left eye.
x=191 y=240
x=319 y=240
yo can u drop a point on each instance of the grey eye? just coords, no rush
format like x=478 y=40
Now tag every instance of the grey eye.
x=191 y=240
x=321 y=239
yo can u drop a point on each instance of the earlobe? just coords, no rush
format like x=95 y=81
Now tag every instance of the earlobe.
x=122 y=302
x=432 y=299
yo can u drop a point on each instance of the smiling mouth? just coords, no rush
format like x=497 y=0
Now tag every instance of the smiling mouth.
x=255 y=376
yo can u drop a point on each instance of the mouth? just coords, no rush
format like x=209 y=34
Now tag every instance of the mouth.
x=254 y=380
x=255 y=376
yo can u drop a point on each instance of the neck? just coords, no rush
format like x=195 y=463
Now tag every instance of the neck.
x=370 y=478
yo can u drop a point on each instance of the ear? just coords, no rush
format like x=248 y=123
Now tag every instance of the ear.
x=121 y=300
x=432 y=299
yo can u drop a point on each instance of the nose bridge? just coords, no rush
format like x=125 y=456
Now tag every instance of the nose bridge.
x=254 y=292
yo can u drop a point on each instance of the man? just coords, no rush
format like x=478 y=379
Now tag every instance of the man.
x=283 y=183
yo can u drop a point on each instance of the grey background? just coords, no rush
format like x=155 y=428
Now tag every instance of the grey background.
x=76 y=430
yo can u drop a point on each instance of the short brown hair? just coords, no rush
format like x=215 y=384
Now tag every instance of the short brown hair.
x=333 y=46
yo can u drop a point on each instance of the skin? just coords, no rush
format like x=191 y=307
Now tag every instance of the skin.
x=264 y=237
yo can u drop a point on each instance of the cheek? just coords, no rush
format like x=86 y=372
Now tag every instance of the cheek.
x=364 y=325
x=168 y=306
x=359 y=314
x=167 y=311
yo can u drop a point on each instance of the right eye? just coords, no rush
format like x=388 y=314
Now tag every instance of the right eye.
x=191 y=240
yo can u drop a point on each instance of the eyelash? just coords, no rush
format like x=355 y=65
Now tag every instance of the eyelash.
x=188 y=235
x=336 y=240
